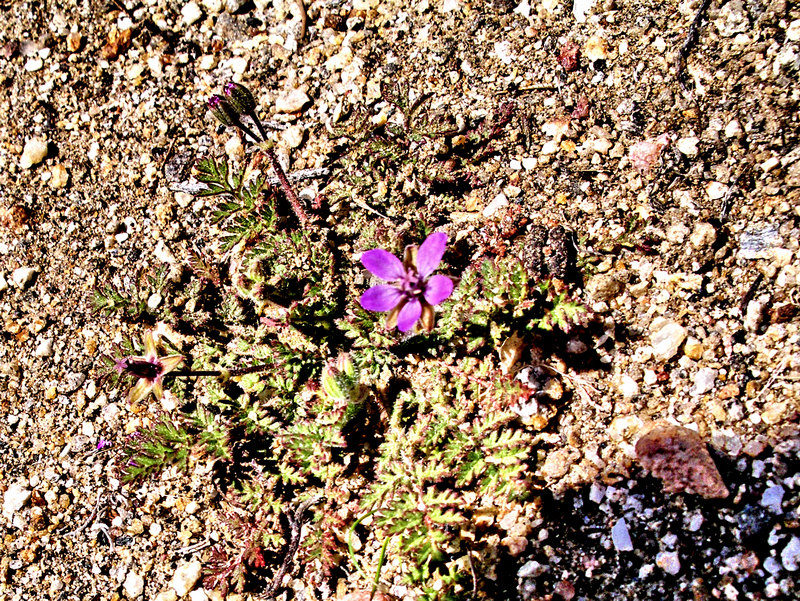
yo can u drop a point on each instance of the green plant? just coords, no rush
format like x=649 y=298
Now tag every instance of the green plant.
x=306 y=395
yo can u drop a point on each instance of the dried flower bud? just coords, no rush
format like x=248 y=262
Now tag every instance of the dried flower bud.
x=240 y=98
x=223 y=110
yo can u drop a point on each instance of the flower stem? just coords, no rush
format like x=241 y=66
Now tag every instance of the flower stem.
x=266 y=148
x=287 y=187
x=252 y=369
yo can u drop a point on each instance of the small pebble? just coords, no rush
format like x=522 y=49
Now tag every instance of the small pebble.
x=772 y=565
x=497 y=202
x=597 y=492
x=596 y=48
x=34 y=64
x=293 y=136
x=531 y=569
x=732 y=19
x=716 y=190
x=198 y=595
x=621 y=537
x=703 y=235
x=45 y=348
x=33 y=153
x=154 y=301
x=581 y=8
x=772 y=498
x=185 y=577
x=58 y=177
x=733 y=129
x=74 y=41
x=22 y=276
x=667 y=340
x=565 y=589
x=191 y=13
x=754 y=315
x=238 y=64
x=15 y=499
x=790 y=556
x=695 y=523
x=757 y=242
x=793 y=31
x=603 y=287
x=703 y=381
x=292 y=101
x=669 y=562
x=688 y=146
x=133 y=586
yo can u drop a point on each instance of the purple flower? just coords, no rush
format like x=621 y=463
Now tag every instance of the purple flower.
x=410 y=294
x=149 y=371
x=102 y=444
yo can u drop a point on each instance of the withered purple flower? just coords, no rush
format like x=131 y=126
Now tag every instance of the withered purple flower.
x=240 y=98
x=411 y=293
x=223 y=110
x=148 y=371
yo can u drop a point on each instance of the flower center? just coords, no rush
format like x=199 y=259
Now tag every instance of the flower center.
x=143 y=369
x=411 y=284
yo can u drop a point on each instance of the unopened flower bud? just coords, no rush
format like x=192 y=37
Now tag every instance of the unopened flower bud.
x=223 y=110
x=344 y=363
x=240 y=98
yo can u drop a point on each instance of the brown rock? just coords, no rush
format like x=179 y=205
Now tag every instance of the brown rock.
x=729 y=391
x=118 y=43
x=516 y=545
x=74 y=41
x=679 y=458
x=13 y=218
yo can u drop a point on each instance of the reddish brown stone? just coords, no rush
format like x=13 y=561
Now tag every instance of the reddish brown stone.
x=679 y=458
x=13 y=218
x=582 y=108
x=565 y=589
x=118 y=43
x=568 y=57
x=729 y=391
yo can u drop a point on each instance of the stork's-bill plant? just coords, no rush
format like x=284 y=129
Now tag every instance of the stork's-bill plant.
x=309 y=393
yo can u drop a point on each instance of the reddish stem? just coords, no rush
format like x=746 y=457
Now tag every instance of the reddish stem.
x=287 y=187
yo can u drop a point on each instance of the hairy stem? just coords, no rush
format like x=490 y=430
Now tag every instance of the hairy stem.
x=287 y=187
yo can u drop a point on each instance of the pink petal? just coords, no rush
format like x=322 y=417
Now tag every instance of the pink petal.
x=409 y=315
x=381 y=298
x=430 y=253
x=383 y=264
x=438 y=288
x=170 y=362
x=140 y=390
x=158 y=388
x=150 y=352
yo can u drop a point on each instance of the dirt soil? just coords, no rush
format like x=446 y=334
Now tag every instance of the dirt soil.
x=669 y=170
